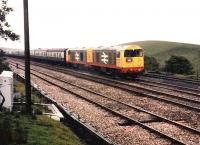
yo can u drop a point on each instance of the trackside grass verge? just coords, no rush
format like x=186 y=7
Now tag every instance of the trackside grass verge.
x=21 y=129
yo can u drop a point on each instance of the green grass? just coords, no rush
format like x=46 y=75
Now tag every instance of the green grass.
x=19 y=87
x=43 y=131
x=35 y=97
x=162 y=50
x=46 y=131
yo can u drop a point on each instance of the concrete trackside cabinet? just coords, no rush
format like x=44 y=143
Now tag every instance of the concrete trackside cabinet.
x=6 y=89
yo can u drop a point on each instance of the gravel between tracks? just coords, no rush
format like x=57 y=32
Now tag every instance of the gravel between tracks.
x=103 y=121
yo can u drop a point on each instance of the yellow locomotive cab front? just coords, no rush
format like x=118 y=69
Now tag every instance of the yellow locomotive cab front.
x=131 y=59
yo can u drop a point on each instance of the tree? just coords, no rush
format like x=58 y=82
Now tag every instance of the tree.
x=5 y=31
x=151 y=64
x=3 y=65
x=179 y=65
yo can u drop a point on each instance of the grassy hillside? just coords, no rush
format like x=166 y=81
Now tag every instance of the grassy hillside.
x=162 y=50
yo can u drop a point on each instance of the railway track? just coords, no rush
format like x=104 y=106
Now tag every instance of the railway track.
x=102 y=104
x=166 y=97
x=181 y=89
x=171 y=78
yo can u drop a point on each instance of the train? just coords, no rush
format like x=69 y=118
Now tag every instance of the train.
x=120 y=59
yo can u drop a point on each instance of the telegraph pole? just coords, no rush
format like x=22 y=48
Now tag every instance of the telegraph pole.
x=27 y=59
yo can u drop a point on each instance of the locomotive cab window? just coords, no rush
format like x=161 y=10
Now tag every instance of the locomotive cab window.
x=133 y=53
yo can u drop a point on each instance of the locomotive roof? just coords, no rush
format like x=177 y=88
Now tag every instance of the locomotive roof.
x=118 y=47
x=123 y=47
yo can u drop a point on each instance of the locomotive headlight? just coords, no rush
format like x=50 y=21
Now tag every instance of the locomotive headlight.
x=129 y=59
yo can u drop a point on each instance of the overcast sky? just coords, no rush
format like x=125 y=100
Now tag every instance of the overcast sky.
x=77 y=23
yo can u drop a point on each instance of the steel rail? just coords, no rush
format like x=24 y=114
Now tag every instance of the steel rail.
x=181 y=89
x=173 y=78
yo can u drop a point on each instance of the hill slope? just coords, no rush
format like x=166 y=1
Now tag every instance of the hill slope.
x=162 y=50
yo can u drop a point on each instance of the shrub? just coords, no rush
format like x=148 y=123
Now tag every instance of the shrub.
x=20 y=134
x=178 y=65
x=151 y=64
x=5 y=131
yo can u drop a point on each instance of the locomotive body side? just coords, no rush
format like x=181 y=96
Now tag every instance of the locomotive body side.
x=119 y=59
x=104 y=57
x=76 y=56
